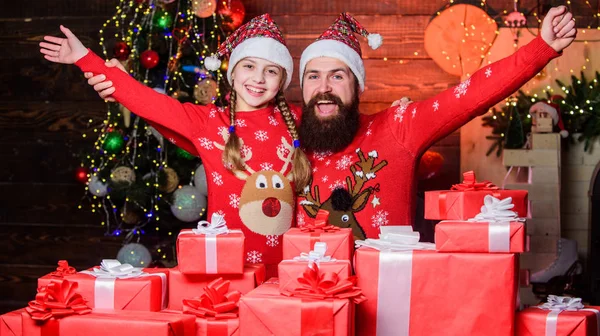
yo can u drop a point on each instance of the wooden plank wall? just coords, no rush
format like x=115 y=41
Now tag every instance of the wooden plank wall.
x=44 y=109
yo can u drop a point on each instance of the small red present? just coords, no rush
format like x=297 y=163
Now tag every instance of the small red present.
x=290 y=270
x=116 y=286
x=321 y=305
x=340 y=241
x=183 y=286
x=560 y=316
x=10 y=323
x=463 y=201
x=495 y=229
x=423 y=292
x=211 y=248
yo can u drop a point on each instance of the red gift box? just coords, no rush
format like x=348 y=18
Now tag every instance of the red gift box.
x=122 y=323
x=462 y=236
x=10 y=323
x=211 y=249
x=463 y=201
x=264 y=311
x=183 y=286
x=147 y=292
x=534 y=321
x=430 y=293
x=340 y=241
x=290 y=270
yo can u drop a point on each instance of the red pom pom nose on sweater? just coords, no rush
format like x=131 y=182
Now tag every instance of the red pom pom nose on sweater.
x=271 y=207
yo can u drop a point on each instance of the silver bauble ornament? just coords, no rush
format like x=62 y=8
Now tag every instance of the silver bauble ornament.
x=188 y=204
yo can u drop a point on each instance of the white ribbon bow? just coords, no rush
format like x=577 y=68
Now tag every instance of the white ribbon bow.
x=562 y=303
x=216 y=226
x=317 y=255
x=396 y=238
x=495 y=210
x=112 y=268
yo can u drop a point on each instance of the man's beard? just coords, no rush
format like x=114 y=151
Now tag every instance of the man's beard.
x=333 y=133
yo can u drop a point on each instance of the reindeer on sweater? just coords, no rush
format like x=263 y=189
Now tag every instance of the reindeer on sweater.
x=343 y=203
x=267 y=198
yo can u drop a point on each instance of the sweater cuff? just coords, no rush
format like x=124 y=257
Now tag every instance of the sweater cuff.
x=540 y=49
x=90 y=61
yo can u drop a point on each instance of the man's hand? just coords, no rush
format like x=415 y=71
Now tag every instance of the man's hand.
x=558 y=28
x=104 y=87
x=63 y=50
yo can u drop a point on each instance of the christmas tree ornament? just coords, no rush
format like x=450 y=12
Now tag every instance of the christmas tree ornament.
x=457 y=38
x=81 y=174
x=121 y=51
x=162 y=19
x=232 y=13
x=113 y=142
x=430 y=165
x=188 y=204
x=123 y=175
x=137 y=255
x=205 y=91
x=149 y=59
x=129 y=215
x=183 y=154
x=126 y=114
x=224 y=65
x=97 y=187
x=168 y=180
x=204 y=8
x=200 y=180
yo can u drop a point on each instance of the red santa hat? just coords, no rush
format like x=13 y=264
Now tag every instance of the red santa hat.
x=261 y=38
x=339 y=42
x=553 y=110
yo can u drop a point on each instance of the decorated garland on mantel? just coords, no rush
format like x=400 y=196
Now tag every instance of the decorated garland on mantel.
x=579 y=108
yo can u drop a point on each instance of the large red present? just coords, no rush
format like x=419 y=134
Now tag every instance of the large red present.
x=495 y=229
x=463 y=201
x=264 y=311
x=58 y=309
x=211 y=248
x=290 y=270
x=183 y=286
x=340 y=242
x=560 y=316
x=424 y=292
x=10 y=323
x=121 y=323
x=117 y=286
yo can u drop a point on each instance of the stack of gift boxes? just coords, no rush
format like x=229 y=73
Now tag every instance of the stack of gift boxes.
x=464 y=284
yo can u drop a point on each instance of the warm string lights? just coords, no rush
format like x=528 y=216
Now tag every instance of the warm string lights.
x=126 y=171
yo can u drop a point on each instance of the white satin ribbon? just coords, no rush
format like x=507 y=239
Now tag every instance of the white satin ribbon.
x=396 y=246
x=216 y=226
x=317 y=255
x=558 y=304
x=110 y=270
x=498 y=214
x=396 y=238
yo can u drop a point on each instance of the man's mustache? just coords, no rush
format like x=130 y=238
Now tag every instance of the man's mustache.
x=325 y=96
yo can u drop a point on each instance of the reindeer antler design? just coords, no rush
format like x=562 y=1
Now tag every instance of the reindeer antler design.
x=245 y=158
x=311 y=204
x=367 y=171
x=285 y=153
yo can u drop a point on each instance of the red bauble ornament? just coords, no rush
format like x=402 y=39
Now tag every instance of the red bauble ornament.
x=149 y=59
x=81 y=174
x=430 y=165
x=121 y=51
x=232 y=13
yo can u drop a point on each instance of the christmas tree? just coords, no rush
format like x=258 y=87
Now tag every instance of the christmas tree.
x=144 y=187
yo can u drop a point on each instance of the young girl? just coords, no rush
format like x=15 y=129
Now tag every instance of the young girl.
x=250 y=150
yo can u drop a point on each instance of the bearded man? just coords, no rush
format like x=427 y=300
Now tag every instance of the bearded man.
x=364 y=166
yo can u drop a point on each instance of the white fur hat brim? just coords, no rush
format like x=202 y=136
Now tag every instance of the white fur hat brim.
x=337 y=50
x=265 y=48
